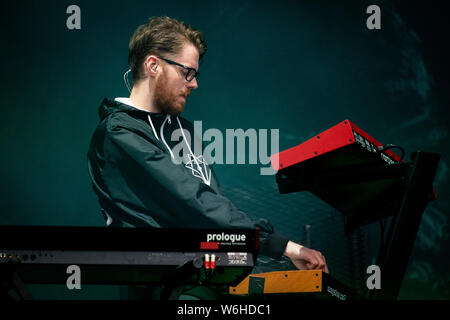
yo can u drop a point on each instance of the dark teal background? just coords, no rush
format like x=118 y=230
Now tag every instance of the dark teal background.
x=297 y=66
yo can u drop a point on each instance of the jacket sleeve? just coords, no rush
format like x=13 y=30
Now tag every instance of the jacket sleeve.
x=148 y=189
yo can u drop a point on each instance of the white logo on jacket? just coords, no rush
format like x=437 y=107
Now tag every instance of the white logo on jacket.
x=197 y=165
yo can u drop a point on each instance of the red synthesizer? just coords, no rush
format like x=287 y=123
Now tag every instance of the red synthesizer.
x=343 y=135
x=348 y=169
x=366 y=182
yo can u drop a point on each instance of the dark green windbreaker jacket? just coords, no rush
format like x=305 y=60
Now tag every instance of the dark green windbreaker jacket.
x=138 y=184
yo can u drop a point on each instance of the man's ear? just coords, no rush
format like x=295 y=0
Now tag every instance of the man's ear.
x=151 y=65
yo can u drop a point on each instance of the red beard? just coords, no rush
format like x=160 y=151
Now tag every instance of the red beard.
x=165 y=100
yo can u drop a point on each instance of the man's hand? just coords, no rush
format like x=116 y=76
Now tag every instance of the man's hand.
x=304 y=258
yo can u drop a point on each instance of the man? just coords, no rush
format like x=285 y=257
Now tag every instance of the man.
x=131 y=160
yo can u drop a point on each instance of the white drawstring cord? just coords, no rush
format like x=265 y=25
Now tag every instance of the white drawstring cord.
x=162 y=136
x=161 y=132
x=206 y=180
x=151 y=123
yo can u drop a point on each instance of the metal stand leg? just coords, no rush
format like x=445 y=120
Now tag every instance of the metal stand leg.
x=393 y=260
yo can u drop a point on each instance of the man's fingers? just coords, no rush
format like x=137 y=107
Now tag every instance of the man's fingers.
x=313 y=264
x=314 y=260
x=310 y=265
x=318 y=261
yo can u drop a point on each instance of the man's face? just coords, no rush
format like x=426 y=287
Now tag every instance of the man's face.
x=171 y=86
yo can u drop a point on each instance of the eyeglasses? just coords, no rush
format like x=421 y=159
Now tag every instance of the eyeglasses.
x=191 y=72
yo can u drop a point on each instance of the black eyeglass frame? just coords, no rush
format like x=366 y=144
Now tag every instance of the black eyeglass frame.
x=189 y=69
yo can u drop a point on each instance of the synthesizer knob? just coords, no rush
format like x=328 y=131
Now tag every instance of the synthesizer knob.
x=198 y=262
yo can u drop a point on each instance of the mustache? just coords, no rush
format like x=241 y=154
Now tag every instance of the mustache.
x=186 y=93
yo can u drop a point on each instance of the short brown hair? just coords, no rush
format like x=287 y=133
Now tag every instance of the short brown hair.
x=161 y=35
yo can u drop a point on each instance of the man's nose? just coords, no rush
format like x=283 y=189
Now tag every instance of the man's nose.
x=192 y=84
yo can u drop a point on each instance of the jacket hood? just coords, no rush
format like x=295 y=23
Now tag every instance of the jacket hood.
x=108 y=107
